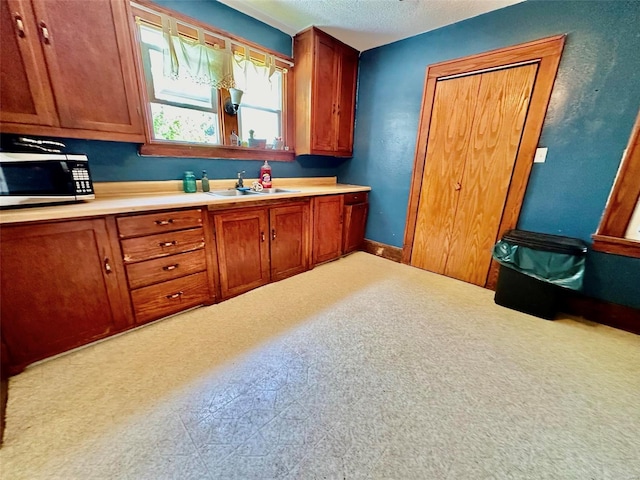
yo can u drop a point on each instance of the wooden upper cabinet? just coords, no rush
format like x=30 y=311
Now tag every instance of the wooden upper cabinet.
x=91 y=90
x=325 y=88
x=25 y=94
x=346 y=102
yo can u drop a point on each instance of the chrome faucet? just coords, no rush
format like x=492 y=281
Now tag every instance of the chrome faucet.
x=240 y=182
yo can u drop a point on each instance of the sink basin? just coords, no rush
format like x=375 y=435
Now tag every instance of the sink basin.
x=231 y=193
x=277 y=190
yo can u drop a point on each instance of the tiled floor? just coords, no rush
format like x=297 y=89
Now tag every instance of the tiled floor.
x=361 y=368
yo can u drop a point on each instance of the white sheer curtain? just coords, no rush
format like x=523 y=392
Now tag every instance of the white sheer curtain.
x=246 y=69
x=194 y=59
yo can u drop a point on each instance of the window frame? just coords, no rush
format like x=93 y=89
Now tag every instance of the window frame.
x=149 y=83
x=163 y=148
x=610 y=236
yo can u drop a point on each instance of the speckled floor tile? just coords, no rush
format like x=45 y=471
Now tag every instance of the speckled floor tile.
x=358 y=369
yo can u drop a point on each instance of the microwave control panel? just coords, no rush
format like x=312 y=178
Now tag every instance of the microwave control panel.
x=81 y=178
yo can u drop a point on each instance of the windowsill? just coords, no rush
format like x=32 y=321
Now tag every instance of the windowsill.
x=213 y=152
x=615 y=245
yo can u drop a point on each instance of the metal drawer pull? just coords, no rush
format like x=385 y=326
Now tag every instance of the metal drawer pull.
x=164 y=222
x=168 y=244
x=19 y=26
x=273 y=233
x=262 y=236
x=45 y=33
x=175 y=295
x=168 y=268
x=107 y=266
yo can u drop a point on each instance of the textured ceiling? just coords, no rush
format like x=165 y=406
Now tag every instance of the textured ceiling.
x=365 y=24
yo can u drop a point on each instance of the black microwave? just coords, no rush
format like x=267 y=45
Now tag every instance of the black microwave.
x=41 y=178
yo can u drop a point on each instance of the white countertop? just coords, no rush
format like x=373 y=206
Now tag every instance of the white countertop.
x=108 y=201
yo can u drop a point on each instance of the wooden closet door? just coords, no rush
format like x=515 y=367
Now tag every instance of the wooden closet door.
x=447 y=148
x=501 y=110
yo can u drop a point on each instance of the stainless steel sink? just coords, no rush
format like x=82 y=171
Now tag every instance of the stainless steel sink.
x=278 y=190
x=231 y=193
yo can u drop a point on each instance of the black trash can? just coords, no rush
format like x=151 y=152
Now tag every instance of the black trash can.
x=535 y=270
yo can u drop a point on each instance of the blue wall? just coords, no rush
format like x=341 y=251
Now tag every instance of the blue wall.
x=117 y=161
x=592 y=110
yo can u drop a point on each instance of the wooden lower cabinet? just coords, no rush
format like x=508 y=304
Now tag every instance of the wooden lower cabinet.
x=356 y=208
x=62 y=287
x=166 y=261
x=289 y=240
x=327 y=228
x=170 y=297
x=67 y=283
x=259 y=245
x=242 y=242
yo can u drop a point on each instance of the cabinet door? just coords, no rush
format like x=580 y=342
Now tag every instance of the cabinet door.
x=90 y=60
x=25 y=96
x=327 y=228
x=243 y=250
x=60 y=288
x=346 y=101
x=324 y=94
x=289 y=240
x=355 y=221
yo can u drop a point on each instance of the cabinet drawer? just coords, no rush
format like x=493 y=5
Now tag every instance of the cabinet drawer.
x=161 y=245
x=165 y=268
x=170 y=297
x=158 y=222
x=353 y=198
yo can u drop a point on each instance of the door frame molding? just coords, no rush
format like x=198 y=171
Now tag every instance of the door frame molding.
x=546 y=53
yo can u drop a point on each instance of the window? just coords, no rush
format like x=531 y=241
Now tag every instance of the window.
x=260 y=112
x=181 y=109
x=618 y=230
x=188 y=68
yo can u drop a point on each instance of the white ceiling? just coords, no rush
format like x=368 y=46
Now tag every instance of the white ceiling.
x=365 y=24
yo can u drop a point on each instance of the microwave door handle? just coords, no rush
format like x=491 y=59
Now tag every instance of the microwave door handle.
x=40 y=142
x=39 y=147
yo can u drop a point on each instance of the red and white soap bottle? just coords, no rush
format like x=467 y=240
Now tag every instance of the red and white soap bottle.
x=265 y=175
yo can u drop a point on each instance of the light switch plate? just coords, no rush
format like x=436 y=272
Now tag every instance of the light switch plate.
x=541 y=155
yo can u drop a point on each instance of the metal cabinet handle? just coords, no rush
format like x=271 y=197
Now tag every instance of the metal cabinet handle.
x=45 y=33
x=175 y=295
x=167 y=244
x=164 y=222
x=168 y=268
x=19 y=25
x=457 y=186
x=273 y=233
x=107 y=266
x=262 y=236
